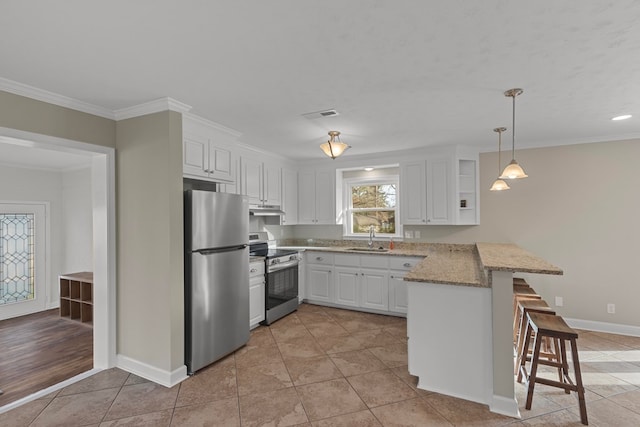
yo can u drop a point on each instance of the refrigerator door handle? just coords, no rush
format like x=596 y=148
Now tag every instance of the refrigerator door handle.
x=219 y=250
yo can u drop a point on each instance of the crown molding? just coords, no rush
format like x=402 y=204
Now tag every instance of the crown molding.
x=155 y=106
x=53 y=98
x=209 y=123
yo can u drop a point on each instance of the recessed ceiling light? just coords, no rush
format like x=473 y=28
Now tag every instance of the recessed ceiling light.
x=368 y=169
x=623 y=117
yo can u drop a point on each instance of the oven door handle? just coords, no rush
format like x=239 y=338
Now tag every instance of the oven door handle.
x=282 y=266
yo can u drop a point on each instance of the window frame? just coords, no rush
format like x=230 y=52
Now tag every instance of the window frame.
x=348 y=208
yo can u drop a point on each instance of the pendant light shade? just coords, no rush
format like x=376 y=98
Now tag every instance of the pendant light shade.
x=334 y=147
x=513 y=169
x=499 y=184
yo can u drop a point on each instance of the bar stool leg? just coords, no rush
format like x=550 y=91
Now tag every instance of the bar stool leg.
x=522 y=356
x=534 y=370
x=576 y=367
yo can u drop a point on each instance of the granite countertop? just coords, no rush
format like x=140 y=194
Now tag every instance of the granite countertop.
x=451 y=264
x=510 y=257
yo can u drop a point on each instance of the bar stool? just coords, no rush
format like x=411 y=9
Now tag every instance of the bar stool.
x=554 y=327
x=520 y=324
x=521 y=293
x=520 y=281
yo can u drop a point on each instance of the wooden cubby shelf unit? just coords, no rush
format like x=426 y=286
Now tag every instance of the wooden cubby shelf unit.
x=76 y=296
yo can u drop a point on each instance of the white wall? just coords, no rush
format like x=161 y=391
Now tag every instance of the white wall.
x=33 y=185
x=578 y=209
x=77 y=221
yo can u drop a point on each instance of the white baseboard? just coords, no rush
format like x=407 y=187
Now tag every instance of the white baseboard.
x=151 y=373
x=505 y=406
x=612 y=328
x=48 y=390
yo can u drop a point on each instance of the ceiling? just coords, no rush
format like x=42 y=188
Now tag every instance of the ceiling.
x=401 y=74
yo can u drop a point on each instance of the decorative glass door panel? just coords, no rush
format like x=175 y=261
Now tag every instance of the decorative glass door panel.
x=16 y=257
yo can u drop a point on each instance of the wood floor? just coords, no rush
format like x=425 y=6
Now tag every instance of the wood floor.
x=40 y=350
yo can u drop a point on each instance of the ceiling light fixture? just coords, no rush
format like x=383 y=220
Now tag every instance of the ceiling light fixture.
x=513 y=169
x=369 y=169
x=622 y=117
x=498 y=184
x=334 y=147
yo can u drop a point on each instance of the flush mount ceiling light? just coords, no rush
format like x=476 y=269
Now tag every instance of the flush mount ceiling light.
x=513 y=169
x=334 y=147
x=622 y=117
x=498 y=184
x=368 y=169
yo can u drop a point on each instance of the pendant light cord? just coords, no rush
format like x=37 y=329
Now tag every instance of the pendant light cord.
x=513 y=130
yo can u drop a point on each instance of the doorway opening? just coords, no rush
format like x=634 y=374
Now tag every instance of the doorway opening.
x=101 y=162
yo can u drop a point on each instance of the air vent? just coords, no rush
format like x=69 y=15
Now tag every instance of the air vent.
x=319 y=114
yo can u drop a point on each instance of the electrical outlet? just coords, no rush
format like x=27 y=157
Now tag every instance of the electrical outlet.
x=416 y=234
x=559 y=301
x=408 y=234
x=611 y=308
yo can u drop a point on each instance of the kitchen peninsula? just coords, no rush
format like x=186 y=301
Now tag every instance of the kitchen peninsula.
x=459 y=316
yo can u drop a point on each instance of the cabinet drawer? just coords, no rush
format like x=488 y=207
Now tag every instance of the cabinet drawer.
x=321 y=258
x=374 y=261
x=256 y=269
x=404 y=263
x=347 y=260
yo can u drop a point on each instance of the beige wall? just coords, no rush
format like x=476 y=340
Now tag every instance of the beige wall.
x=150 y=243
x=578 y=209
x=26 y=114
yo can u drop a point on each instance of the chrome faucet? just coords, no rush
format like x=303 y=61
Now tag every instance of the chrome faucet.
x=372 y=234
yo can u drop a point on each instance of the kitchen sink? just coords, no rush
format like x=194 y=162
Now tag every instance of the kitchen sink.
x=368 y=249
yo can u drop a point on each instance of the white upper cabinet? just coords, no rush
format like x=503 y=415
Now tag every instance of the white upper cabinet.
x=316 y=197
x=260 y=182
x=425 y=190
x=289 y=196
x=206 y=152
x=439 y=191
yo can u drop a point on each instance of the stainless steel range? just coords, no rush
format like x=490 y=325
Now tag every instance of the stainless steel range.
x=281 y=277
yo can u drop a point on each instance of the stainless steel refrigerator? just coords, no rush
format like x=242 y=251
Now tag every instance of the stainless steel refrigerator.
x=216 y=276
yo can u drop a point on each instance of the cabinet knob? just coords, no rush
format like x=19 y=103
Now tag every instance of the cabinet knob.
x=407 y=264
x=253 y=270
x=392 y=277
x=319 y=258
x=424 y=220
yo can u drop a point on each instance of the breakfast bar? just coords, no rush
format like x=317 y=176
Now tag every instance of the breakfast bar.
x=459 y=321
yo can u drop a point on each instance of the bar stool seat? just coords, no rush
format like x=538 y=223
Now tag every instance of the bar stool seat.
x=520 y=281
x=554 y=327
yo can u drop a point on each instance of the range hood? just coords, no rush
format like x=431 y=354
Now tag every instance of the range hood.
x=265 y=210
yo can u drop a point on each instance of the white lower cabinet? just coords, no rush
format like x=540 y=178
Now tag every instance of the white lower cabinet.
x=256 y=293
x=346 y=285
x=375 y=289
x=398 y=299
x=319 y=275
x=372 y=282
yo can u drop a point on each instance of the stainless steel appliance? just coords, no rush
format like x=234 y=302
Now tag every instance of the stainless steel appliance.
x=216 y=276
x=281 y=278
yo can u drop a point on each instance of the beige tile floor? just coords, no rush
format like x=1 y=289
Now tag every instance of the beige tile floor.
x=328 y=367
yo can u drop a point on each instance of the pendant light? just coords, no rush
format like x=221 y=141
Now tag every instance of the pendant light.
x=498 y=184
x=334 y=147
x=513 y=169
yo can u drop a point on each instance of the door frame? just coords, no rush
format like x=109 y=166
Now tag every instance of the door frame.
x=104 y=233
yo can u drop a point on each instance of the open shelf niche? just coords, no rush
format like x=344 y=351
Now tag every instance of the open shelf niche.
x=76 y=296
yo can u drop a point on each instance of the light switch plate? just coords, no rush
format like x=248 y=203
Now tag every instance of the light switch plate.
x=559 y=302
x=408 y=234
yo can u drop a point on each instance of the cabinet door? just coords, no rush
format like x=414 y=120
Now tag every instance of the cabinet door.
x=346 y=286
x=256 y=302
x=398 y=299
x=413 y=193
x=289 y=197
x=251 y=180
x=374 y=288
x=319 y=283
x=325 y=197
x=271 y=185
x=307 y=197
x=220 y=164
x=438 y=191
x=195 y=160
